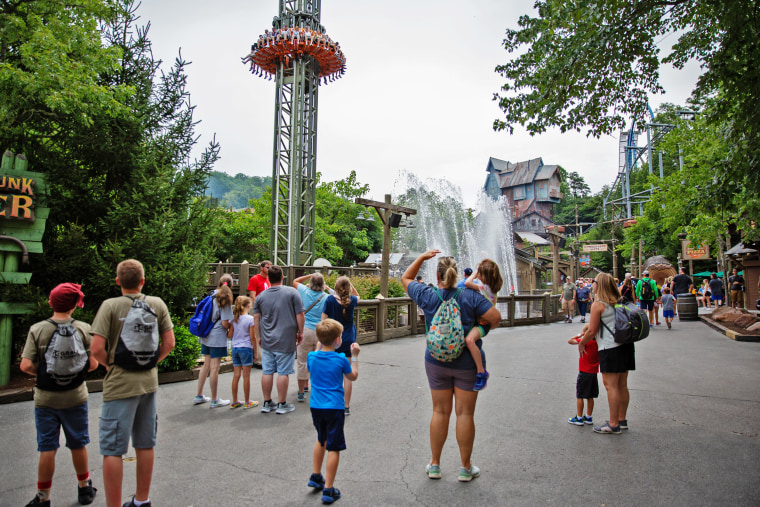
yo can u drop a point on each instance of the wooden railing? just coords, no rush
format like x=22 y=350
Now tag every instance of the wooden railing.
x=402 y=317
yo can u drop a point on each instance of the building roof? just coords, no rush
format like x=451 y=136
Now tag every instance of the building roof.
x=533 y=238
x=546 y=172
x=525 y=172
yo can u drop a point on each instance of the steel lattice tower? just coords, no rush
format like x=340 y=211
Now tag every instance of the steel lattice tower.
x=299 y=55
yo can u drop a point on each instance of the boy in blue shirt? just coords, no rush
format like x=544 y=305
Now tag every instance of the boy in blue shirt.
x=327 y=369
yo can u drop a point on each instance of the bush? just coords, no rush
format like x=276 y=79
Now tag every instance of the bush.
x=369 y=286
x=186 y=351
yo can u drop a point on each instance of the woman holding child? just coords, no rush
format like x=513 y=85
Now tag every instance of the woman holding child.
x=451 y=383
x=615 y=359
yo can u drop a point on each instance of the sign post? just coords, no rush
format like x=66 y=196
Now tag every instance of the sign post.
x=22 y=224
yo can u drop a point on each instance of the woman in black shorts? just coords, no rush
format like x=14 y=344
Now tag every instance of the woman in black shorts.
x=615 y=359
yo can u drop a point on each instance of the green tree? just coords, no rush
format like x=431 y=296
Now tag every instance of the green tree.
x=593 y=64
x=114 y=136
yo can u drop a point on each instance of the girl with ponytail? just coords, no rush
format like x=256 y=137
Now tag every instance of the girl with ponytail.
x=340 y=306
x=214 y=346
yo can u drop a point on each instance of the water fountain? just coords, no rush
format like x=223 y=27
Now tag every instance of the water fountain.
x=443 y=222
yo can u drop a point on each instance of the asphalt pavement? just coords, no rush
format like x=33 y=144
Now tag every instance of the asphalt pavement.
x=694 y=419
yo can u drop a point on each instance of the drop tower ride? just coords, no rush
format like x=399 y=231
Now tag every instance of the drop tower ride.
x=298 y=55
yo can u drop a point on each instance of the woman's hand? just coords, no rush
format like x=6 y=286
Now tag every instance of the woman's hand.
x=414 y=267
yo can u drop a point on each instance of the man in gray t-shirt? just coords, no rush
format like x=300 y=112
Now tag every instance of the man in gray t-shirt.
x=278 y=317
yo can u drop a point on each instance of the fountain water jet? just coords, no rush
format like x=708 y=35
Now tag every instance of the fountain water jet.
x=444 y=223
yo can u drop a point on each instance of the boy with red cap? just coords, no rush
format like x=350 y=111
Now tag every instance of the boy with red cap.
x=57 y=351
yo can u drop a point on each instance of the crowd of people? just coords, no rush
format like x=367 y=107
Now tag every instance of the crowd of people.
x=289 y=43
x=305 y=328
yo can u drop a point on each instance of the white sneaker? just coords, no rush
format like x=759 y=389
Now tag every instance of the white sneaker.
x=201 y=399
x=219 y=403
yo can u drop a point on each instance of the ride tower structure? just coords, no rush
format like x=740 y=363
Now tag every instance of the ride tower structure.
x=299 y=55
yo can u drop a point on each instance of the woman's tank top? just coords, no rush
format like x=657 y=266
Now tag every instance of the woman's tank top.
x=605 y=339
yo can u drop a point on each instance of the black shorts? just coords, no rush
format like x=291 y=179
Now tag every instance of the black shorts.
x=617 y=360
x=587 y=386
x=329 y=425
x=646 y=304
x=483 y=329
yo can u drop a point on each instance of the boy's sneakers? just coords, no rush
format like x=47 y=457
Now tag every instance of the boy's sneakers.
x=284 y=408
x=316 y=481
x=587 y=419
x=481 y=379
x=466 y=475
x=606 y=429
x=201 y=399
x=131 y=503
x=329 y=495
x=36 y=502
x=583 y=320
x=268 y=406
x=217 y=403
x=668 y=323
x=433 y=471
x=301 y=397
x=348 y=411
x=86 y=494
x=578 y=421
x=251 y=404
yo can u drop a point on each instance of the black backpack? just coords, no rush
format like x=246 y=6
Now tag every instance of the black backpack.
x=64 y=364
x=646 y=289
x=631 y=324
x=138 y=347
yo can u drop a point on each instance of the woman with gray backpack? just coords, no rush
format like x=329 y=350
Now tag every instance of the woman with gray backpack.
x=452 y=380
x=615 y=359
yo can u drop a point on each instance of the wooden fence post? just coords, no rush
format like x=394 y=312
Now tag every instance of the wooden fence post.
x=511 y=310
x=413 y=317
x=547 y=308
x=380 y=326
x=243 y=279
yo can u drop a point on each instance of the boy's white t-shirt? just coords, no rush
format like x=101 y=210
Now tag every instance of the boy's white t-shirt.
x=241 y=335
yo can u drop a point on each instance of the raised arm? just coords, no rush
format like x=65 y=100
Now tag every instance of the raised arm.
x=301 y=279
x=414 y=268
x=470 y=282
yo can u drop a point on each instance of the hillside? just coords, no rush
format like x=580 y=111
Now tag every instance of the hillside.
x=236 y=191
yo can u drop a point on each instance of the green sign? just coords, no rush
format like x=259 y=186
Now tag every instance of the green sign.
x=22 y=224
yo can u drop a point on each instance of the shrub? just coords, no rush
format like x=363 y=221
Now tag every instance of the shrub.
x=186 y=351
x=369 y=286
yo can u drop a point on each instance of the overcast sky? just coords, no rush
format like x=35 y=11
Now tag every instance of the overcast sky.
x=417 y=94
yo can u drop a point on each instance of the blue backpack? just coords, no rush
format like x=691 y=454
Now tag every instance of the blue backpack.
x=201 y=323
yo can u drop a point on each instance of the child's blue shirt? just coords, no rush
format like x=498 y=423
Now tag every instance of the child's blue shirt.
x=327 y=369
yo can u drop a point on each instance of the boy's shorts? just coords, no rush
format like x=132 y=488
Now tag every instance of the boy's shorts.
x=280 y=363
x=586 y=386
x=120 y=419
x=668 y=314
x=214 y=352
x=242 y=356
x=49 y=422
x=329 y=425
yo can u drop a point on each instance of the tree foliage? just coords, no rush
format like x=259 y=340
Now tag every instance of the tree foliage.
x=84 y=99
x=236 y=191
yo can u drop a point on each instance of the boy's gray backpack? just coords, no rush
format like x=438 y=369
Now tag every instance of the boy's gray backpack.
x=138 y=346
x=64 y=364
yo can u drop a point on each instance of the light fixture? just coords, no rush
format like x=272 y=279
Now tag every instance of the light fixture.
x=370 y=217
x=360 y=216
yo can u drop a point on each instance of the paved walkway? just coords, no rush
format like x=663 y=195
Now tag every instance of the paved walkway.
x=694 y=419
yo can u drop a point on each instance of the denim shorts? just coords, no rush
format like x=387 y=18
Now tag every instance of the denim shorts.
x=442 y=378
x=214 y=352
x=277 y=362
x=49 y=422
x=329 y=425
x=120 y=419
x=242 y=356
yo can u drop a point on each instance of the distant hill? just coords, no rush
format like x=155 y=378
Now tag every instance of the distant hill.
x=236 y=191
